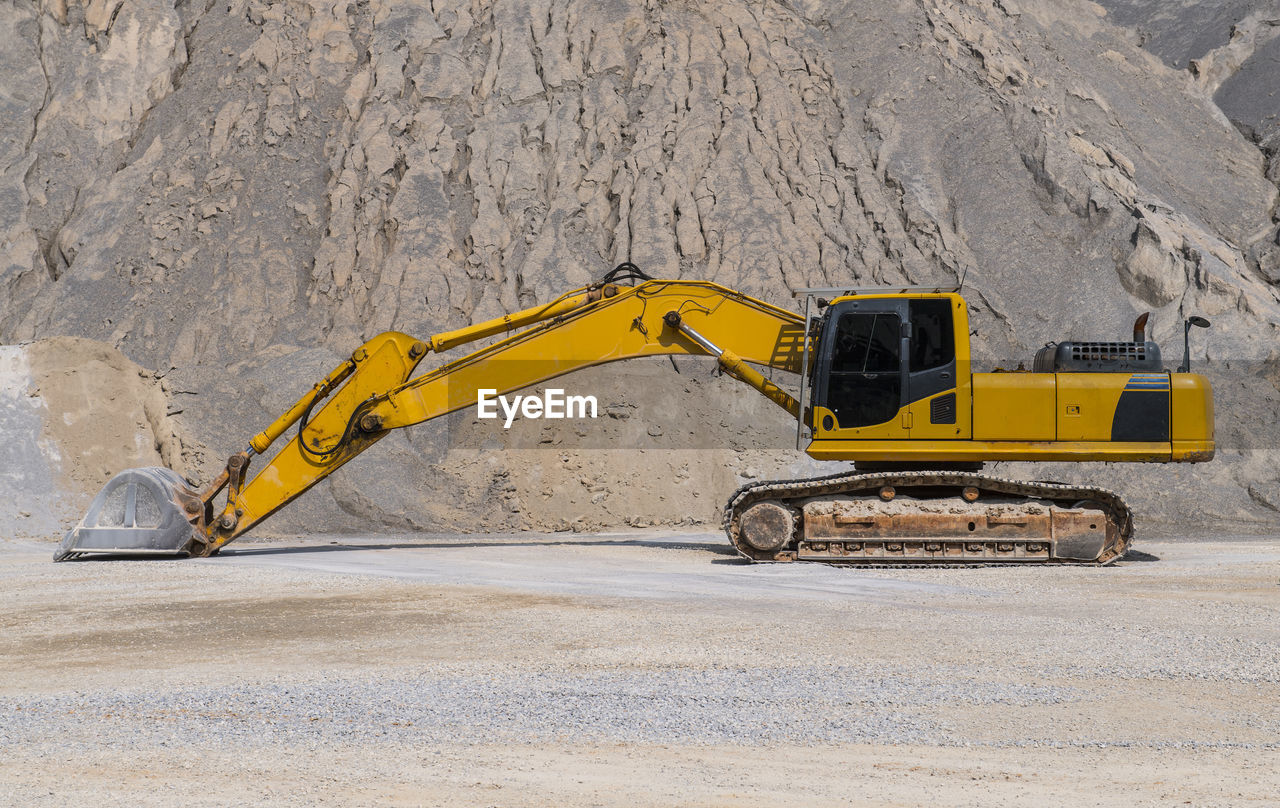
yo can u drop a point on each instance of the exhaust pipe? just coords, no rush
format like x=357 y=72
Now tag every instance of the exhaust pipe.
x=1140 y=327
x=138 y=511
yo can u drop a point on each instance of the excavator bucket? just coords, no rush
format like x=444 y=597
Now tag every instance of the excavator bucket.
x=137 y=512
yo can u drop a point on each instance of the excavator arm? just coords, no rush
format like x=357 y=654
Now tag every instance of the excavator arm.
x=374 y=392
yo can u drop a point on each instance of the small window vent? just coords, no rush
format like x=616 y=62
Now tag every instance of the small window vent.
x=942 y=410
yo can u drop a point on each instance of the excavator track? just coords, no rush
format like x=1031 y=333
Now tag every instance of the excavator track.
x=927 y=518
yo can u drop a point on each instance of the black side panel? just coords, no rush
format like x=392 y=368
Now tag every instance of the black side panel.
x=1141 y=415
x=942 y=410
x=931 y=382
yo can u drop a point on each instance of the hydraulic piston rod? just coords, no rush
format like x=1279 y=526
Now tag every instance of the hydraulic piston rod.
x=735 y=366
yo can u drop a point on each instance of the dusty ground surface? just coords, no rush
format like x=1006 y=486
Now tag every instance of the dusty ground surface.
x=635 y=669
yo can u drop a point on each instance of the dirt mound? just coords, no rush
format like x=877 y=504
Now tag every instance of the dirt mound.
x=104 y=413
x=73 y=412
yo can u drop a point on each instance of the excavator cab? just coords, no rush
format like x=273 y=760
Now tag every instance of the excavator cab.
x=888 y=367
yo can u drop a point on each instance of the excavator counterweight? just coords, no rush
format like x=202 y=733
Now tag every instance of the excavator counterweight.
x=886 y=381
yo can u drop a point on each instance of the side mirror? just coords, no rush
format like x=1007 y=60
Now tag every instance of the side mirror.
x=1198 y=322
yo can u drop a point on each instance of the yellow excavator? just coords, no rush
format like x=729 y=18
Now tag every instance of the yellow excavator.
x=884 y=380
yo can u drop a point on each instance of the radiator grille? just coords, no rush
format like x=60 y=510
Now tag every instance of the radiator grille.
x=1108 y=351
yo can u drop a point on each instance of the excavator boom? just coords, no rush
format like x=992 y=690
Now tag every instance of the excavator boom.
x=374 y=392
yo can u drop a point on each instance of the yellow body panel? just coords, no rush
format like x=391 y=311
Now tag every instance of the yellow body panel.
x=918 y=413
x=1192 y=404
x=1193 y=451
x=1052 y=417
x=1086 y=404
x=1014 y=406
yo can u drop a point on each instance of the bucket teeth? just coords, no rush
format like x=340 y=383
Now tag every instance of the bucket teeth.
x=137 y=512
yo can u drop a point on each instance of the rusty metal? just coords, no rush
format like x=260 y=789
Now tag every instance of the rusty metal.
x=1140 y=327
x=237 y=467
x=767 y=526
x=887 y=493
x=204 y=541
x=969 y=493
x=947 y=534
x=840 y=520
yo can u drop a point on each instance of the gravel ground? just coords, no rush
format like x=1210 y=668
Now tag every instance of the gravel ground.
x=640 y=669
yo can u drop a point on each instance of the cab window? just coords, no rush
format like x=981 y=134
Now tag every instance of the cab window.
x=866 y=342
x=932 y=340
x=865 y=384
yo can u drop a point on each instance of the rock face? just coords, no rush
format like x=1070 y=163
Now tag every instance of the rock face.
x=240 y=192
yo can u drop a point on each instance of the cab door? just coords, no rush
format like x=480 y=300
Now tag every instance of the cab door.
x=861 y=383
x=938 y=387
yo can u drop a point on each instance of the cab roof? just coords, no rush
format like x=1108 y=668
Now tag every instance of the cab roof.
x=837 y=294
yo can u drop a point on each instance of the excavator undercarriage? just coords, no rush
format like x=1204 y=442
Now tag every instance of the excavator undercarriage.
x=926 y=517
x=885 y=381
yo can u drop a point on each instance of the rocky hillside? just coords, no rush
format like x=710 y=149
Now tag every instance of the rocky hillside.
x=235 y=193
